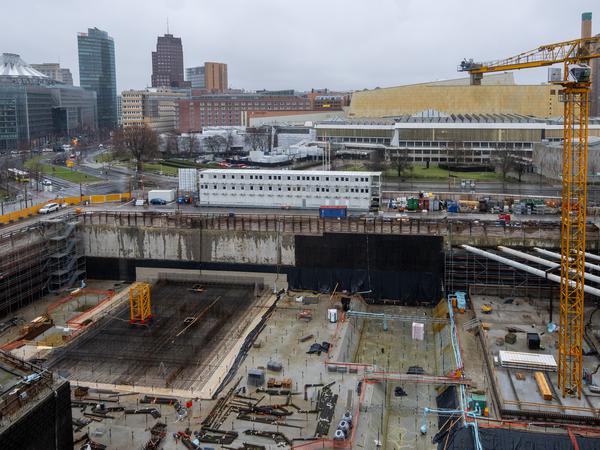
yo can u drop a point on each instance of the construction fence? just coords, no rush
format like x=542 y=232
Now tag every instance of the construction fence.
x=76 y=200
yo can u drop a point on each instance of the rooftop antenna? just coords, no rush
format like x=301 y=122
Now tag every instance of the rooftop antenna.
x=167 y=24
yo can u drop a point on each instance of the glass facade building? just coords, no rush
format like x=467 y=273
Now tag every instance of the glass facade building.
x=195 y=75
x=34 y=109
x=97 y=73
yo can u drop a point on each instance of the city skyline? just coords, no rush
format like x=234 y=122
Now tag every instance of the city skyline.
x=348 y=45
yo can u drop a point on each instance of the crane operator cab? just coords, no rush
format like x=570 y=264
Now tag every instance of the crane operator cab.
x=581 y=73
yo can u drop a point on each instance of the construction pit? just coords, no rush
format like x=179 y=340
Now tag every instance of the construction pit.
x=192 y=330
x=175 y=358
x=228 y=363
x=291 y=413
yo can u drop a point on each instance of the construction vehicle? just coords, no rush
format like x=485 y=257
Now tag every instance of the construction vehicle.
x=575 y=56
x=487 y=309
x=285 y=383
x=503 y=217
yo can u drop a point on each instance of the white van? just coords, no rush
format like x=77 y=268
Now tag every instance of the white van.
x=48 y=208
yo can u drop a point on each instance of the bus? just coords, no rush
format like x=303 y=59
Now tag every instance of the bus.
x=19 y=175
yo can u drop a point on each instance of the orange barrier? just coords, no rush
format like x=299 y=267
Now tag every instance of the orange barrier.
x=13 y=345
x=78 y=293
x=79 y=320
x=33 y=210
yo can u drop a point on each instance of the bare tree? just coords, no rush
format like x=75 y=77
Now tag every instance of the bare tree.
x=137 y=142
x=377 y=160
x=519 y=166
x=108 y=161
x=457 y=152
x=4 y=176
x=172 y=147
x=228 y=141
x=402 y=162
x=504 y=162
x=215 y=144
x=186 y=143
x=257 y=139
x=36 y=170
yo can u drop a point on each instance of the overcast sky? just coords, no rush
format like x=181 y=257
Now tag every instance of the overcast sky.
x=299 y=44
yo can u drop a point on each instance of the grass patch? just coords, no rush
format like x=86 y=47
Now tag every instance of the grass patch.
x=358 y=167
x=64 y=173
x=158 y=167
x=421 y=172
x=32 y=161
x=104 y=157
x=74 y=176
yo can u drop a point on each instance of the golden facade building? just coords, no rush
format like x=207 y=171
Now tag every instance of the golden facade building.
x=497 y=95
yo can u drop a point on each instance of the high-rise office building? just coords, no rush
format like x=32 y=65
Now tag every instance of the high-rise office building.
x=215 y=76
x=97 y=73
x=195 y=75
x=167 y=63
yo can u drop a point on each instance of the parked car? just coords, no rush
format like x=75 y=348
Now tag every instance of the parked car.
x=48 y=208
x=158 y=201
x=46 y=182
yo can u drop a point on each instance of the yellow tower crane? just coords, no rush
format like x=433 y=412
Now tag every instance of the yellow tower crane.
x=575 y=56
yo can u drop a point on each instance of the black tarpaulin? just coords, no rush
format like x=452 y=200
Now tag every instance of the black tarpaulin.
x=503 y=439
x=407 y=287
x=403 y=268
x=446 y=400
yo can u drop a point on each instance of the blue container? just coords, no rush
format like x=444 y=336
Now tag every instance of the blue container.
x=452 y=207
x=333 y=212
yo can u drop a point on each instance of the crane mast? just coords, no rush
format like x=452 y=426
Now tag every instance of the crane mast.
x=575 y=56
x=573 y=229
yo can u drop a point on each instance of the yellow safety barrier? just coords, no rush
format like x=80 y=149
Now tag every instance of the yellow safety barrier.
x=33 y=210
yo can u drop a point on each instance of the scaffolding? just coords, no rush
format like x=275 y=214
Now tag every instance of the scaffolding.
x=45 y=257
x=139 y=304
x=464 y=270
x=66 y=261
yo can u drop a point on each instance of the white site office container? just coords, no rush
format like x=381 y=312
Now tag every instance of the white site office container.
x=188 y=180
x=168 y=195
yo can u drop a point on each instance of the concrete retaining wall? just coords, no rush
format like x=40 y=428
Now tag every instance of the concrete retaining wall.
x=211 y=246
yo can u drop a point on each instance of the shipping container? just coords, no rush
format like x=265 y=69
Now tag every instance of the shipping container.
x=168 y=195
x=188 y=180
x=412 y=204
x=335 y=212
x=452 y=206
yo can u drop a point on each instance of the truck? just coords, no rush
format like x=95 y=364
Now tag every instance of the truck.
x=333 y=212
x=161 y=196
